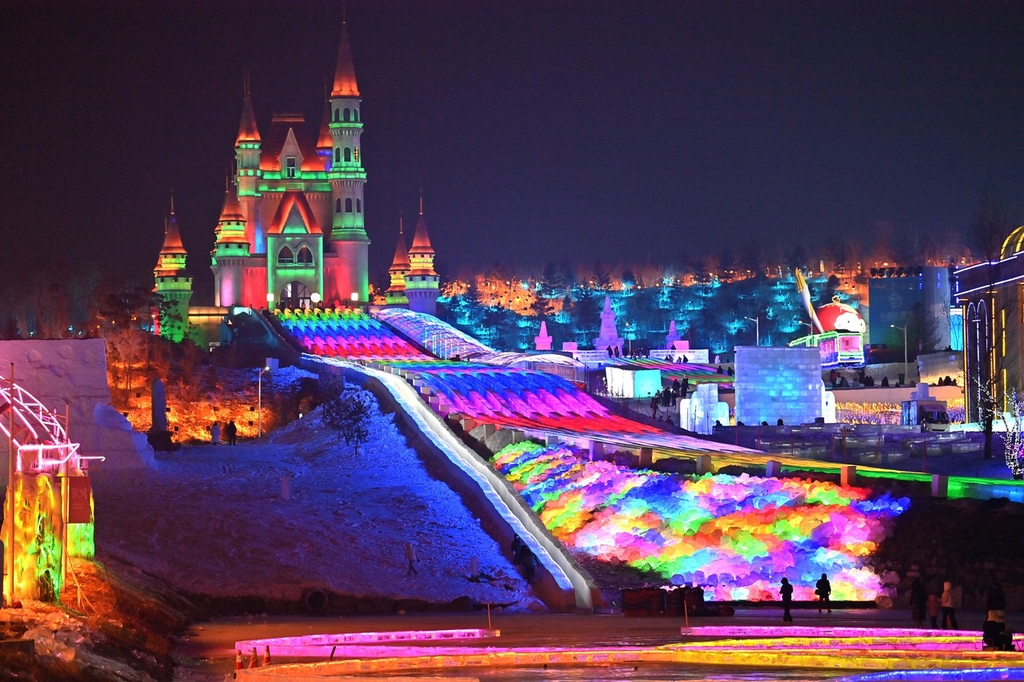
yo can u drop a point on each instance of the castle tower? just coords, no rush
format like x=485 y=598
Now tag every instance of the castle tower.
x=248 y=171
x=173 y=284
x=230 y=253
x=399 y=270
x=347 y=278
x=421 y=284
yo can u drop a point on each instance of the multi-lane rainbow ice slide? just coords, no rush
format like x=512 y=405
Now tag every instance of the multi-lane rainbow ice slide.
x=736 y=535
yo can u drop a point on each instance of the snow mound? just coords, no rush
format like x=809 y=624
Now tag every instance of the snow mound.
x=298 y=510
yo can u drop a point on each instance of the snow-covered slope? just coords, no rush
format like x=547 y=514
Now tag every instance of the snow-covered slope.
x=212 y=520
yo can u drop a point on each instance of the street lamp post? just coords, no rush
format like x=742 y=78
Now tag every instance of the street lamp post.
x=757 y=329
x=259 y=401
x=906 y=369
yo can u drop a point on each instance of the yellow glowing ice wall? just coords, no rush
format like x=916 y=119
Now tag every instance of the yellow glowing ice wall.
x=37 y=537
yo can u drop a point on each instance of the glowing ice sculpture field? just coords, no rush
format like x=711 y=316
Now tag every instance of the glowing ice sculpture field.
x=735 y=535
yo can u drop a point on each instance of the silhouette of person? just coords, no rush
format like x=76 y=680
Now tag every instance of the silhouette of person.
x=786 y=591
x=823 y=588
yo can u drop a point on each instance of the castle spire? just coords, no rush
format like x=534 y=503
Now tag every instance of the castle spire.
x=172 y=245
x=231 y=210
x=323 y=141
x=421 y=244
x=398 y=270
x=401 y=261
x=344 y=73
x=247 y=131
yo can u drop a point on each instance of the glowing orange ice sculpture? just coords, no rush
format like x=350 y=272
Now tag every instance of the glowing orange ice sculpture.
x=48 y=507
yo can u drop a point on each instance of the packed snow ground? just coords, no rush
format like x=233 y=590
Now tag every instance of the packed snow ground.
x=211 y=520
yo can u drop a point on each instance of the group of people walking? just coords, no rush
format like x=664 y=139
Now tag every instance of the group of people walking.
x=230 y=432
x=666 y=397
x=822 y=588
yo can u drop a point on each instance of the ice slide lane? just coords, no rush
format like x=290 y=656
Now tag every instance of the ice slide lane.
x=575 y=585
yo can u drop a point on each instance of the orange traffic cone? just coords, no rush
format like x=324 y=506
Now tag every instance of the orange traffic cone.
x=252 y=658
x=266 y=656
x=238 y=662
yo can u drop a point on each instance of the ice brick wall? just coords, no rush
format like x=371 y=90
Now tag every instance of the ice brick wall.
x=778 y=383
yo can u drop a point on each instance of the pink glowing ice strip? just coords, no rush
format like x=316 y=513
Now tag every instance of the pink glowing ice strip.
x=321 y=645
x=973 y=674
x=810 y=631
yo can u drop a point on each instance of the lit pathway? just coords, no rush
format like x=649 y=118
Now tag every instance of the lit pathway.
x=833 y=648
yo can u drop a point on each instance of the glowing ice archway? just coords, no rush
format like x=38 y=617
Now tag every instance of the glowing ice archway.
x=34 y=429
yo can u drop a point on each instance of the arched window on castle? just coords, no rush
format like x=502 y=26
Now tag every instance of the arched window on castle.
x=337 y=205
x=337 y=155
x=335 y=118
x=355 y=115
x=359 y=205
x=304 y=255
x=285 y=255
x=345 y=115
x=348 y=154
x=348 y=205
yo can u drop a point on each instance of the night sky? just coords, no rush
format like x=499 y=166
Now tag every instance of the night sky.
x=627 y=132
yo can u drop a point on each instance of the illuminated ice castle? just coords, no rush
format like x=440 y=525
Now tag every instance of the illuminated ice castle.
x=291 y=232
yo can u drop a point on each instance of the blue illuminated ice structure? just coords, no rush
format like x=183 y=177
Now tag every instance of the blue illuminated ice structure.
x=778 y=383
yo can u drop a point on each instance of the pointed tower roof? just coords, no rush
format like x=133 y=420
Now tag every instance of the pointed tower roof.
x=247 y=131
x=171 y=261
x=232 y=210
x=323 y=141
x=420 y=240
x=344 y=73
x=401 y=261
x=172 y=237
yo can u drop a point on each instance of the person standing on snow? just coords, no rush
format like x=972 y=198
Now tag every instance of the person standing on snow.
x=410 y=556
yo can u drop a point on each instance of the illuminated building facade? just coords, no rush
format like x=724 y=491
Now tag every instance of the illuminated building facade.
x=991 y=294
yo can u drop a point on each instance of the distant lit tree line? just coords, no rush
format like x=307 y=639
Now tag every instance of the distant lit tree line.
x=709 y=311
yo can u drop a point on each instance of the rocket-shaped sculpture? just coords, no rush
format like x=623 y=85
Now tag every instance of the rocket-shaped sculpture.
x=805 y=296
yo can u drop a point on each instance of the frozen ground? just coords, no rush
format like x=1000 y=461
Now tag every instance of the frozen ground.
x=211 y=520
